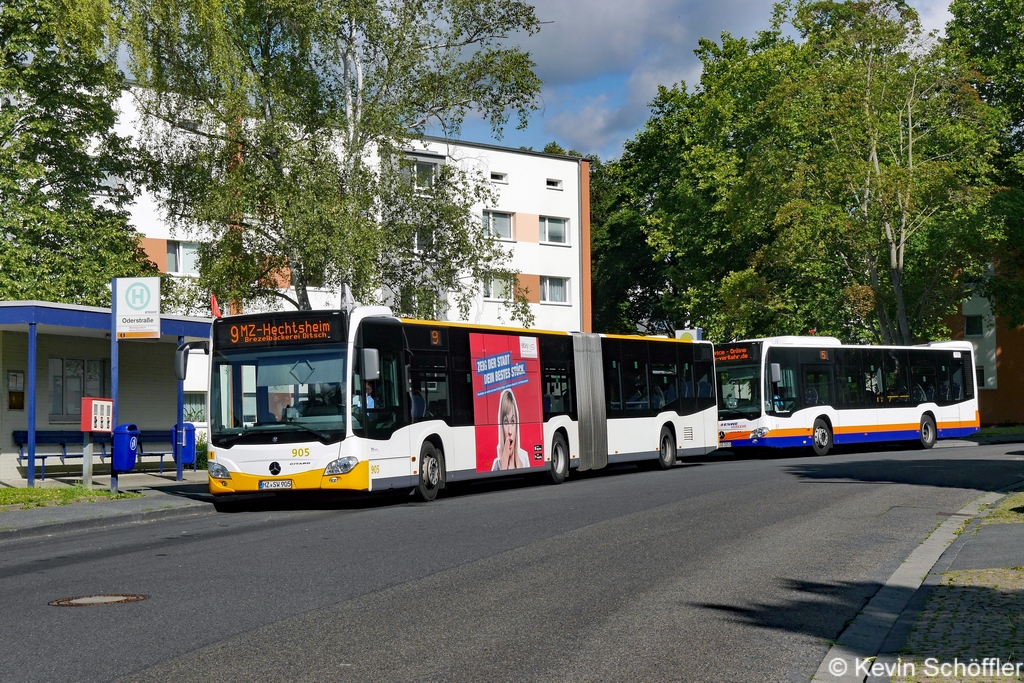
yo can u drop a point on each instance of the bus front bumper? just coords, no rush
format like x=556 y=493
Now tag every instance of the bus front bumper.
x=311 y=480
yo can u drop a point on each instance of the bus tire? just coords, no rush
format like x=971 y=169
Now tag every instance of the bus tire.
x=821 y=437
x=927 y=433
x=559 y=459
x=666 y=449
x=430 y=473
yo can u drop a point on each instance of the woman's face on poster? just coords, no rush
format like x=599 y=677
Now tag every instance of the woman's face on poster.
x=508 y=426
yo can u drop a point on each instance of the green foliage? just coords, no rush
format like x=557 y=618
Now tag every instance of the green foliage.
x=838 y=180
x=988 y=33
x=263 y=118
x=65 y=176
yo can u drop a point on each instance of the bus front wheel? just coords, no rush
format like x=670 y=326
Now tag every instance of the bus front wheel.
x=927 y=431
x=559 y=459
x=822 y=437
x=430 y=473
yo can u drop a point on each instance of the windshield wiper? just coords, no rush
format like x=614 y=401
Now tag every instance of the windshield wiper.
x=322 y=436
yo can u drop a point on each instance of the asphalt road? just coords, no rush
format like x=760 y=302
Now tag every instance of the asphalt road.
x=717 y=570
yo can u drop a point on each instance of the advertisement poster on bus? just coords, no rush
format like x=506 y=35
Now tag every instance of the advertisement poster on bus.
x=507 y=407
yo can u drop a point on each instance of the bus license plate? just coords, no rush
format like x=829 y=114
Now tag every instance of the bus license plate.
x=276 y=484
x=724 y=444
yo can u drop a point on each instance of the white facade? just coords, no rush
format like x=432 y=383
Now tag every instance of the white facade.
x=545 y=198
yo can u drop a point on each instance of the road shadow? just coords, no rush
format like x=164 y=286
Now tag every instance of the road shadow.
x=982 y=475
x=822 y=610
x=345 y=500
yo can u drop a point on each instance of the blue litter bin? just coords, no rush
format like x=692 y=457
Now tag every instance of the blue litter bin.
x=125 y=448
x=184 y=435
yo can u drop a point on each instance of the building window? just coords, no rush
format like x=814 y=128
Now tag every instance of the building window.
x=183 y=257
x=498 y=224
x=979 y=375
x=554 y=290
x=974 y=326
x=195 y=406
x=553 y=230
x=553 y=184
x=424 y=173
x=496 y=288
x=497 y=177
x=71 y=379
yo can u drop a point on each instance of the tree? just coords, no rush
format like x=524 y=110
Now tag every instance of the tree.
x=65 y=176
x=839 y=181
x=988 y=33
x=282 y=129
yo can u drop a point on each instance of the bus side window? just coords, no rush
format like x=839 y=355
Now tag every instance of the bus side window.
x=557 y=395
x=687 y=392
x=635 y=386
x=612 y=376
x=704 y=374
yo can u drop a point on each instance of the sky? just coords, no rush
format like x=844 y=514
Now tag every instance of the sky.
x=601 y=62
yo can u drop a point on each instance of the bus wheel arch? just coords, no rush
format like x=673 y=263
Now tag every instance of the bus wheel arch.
x=667 y=446
x=927 y=433
x=559 y=456
x=822 y=435
x=430 y=473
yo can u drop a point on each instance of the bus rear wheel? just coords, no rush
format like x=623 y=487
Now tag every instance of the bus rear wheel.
x=666 y=449
x=928 y=433
x=430 y=475
x=822 y=437
x=559 y=459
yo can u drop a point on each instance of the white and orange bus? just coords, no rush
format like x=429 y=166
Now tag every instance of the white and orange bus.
x=784 y=392
x=365 y=401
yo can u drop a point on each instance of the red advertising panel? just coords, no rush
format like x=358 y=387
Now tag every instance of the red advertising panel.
x=507 y=405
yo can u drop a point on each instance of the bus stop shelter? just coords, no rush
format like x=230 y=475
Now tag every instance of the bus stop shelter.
x=52 y=355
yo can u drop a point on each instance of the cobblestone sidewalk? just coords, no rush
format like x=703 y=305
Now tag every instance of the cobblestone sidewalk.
x=972 y=626
x=973 y=615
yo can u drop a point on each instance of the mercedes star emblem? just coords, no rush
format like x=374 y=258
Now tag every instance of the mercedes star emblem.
x=275 y=468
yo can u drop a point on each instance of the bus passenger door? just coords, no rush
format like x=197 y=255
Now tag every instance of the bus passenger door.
x=380 y=403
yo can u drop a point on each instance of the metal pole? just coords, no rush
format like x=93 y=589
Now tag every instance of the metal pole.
x=87 y=460
x=31 y=404
x=179 y=432
x=113 y=375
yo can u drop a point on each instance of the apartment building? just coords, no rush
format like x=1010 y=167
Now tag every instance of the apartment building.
x=541 y=216
x=999 y=361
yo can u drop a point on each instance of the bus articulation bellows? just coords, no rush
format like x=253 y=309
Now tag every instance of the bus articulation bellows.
x=366 y=401
x=784 y=392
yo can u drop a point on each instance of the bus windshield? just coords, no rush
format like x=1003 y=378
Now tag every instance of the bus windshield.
x=266 y=395
x=739 y=391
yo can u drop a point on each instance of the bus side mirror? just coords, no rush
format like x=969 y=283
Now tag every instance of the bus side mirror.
x=776 y=373
x=371 y=365
x=181 y=357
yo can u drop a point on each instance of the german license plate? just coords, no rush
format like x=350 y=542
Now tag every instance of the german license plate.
x=276 y=484
x=724 y=444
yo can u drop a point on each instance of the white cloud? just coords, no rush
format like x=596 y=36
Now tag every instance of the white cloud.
x=602 y=60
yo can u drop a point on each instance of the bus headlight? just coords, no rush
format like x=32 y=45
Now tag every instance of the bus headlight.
x=759 y=432
x=217 y=471
x=341 y=465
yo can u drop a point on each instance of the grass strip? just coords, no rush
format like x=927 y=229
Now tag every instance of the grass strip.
x=57 y=495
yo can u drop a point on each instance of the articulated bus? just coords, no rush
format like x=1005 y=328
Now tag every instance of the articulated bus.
x=813 y=391
x=365 y=401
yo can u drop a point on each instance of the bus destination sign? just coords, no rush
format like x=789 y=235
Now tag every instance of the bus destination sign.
x=274 y=331
x=726 y=353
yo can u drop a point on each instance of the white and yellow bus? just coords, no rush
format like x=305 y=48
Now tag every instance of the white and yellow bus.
x=783 y=392
x=366 y=401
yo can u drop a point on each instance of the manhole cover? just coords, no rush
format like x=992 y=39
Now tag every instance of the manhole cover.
x=89 y=600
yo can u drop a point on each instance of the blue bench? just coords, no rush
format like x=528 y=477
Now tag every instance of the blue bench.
x=65 y=439
x=70 y=443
